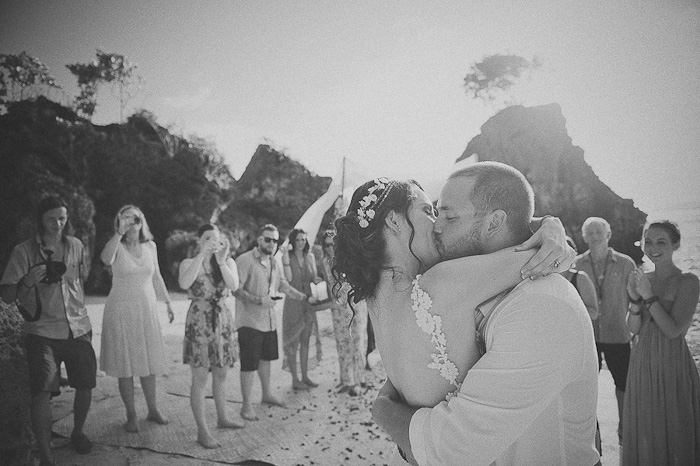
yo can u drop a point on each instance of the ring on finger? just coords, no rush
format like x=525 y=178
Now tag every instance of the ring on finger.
x=557 y=263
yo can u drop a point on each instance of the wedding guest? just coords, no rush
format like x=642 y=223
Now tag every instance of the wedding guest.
x=349 y=327
x=298 y=319
x=59 y=329
x=662 y=400
x=609 y=271
x=261 y=282
x=586 y=290
x=583 y=284
x=210 y=338
x=132 y=342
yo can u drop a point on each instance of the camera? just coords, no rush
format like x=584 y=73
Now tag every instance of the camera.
x=54 y=269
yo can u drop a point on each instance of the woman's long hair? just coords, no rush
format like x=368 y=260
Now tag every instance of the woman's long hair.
x=292 y=238
x=360 y=251
x=215 y=269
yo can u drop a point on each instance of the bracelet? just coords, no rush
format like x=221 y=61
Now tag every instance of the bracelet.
x=650 y=301
x=635 y=301
x=286 y=264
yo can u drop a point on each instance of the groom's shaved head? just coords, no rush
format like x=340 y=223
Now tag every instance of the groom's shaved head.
x=497 y=186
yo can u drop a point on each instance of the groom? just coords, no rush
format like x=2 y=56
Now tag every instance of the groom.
x=531 y=398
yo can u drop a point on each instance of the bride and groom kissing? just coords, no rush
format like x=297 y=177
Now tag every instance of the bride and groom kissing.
x=483 y=365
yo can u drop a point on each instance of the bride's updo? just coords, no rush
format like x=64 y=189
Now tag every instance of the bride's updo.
x=359 y=241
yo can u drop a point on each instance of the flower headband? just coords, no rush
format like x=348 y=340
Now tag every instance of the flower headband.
x=371 y=201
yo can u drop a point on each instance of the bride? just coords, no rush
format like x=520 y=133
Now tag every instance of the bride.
x=420 y=307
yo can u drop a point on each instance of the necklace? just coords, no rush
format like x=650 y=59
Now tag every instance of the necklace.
x=599 y=279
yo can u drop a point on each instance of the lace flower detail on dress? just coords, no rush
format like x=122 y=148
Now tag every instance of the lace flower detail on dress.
x=432 y=325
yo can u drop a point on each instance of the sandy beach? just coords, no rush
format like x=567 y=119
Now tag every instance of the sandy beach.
x=319 y=426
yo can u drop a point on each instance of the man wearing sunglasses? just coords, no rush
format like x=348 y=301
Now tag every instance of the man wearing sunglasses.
x=261 y=282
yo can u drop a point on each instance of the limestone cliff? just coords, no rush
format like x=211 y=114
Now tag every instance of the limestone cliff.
x=273 y=189
x=535 y=141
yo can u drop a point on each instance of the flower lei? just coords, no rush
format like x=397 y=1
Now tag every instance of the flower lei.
x=371 y=201
x=432 y=325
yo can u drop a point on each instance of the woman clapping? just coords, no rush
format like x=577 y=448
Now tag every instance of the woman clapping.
x=662 y=400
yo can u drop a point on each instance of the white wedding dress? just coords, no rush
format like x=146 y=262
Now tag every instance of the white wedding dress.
x=428 y=351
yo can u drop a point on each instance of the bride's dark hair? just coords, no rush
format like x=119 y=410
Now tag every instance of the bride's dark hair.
x=360 y=251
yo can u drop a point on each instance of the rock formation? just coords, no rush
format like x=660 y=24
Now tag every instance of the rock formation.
x=535 y=141
x=273 y=189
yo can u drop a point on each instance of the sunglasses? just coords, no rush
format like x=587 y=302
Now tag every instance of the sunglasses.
x=269 y=240
x=327 y=245
x=137 y=220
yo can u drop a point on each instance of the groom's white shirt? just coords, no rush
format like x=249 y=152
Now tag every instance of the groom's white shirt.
x=531 y=399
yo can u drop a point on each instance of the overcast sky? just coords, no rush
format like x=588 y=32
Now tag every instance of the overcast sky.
x=381 y=82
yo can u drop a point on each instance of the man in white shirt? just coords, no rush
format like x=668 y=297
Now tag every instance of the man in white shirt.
x=531 y=398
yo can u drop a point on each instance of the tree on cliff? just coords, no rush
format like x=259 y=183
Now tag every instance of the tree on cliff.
x=495 y=75
x=46 y=148
x=106 y=68
x=23 y=76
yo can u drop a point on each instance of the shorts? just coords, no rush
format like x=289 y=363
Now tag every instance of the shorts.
x=45 y=355
x=617 y=357
x=256 y=346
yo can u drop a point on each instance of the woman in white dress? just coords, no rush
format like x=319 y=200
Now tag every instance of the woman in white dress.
x=382 y=246
x=132 y=343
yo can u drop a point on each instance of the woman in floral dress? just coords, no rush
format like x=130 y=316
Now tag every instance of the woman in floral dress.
x=349 y=328
x=210 y=341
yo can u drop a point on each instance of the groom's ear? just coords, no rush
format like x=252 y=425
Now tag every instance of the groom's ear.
x=497 y=223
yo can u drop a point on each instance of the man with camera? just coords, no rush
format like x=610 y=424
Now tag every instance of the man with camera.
x=45 y=275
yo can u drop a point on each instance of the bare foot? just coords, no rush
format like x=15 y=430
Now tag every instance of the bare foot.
x=249 y=414
x=156 y=417
x=131 y=426
x=299 y=385
x=228 y=424
x=310 y=382
x=272 y=401
x=207 y=441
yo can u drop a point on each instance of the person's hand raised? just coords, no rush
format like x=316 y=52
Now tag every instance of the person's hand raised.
x=643 y=284
x=223 y=250
x=553 y=256
x=123 y=224
x=632 y=282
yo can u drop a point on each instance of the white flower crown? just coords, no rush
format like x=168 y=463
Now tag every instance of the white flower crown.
x=371 y=201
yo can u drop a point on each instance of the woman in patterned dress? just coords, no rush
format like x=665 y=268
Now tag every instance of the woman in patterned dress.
x=385 y=250
x=132 y=342
x=210 y=341
x=662 y=400
x=349 y=328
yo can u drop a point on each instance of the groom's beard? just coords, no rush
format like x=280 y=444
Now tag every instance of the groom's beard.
x=469 y=244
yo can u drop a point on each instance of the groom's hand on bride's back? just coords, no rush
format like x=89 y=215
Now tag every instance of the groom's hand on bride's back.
x=554 y=255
